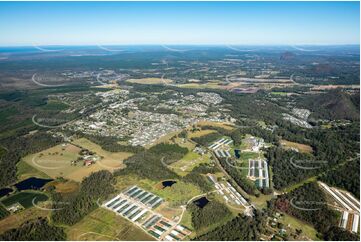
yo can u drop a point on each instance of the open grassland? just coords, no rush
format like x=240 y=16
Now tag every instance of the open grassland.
x=56 y=161
x=178 y=194
x=224 y=125
x=110 y=159
x=15 y=220
x=200 y=133
x=24 y=198
x=24 y=171
x=307 y=229
x=150 y=81
x=188 y=162
x=301 y=147
x=103 y=224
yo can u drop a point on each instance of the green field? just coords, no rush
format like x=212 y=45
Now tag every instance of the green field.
x=24 y=198
x=103 y=224
x=24 y=171
x=179 y=193
x=188 y=162
x=307 y=230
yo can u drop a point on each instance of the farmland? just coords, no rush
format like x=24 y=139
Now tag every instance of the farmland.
x=57 y=161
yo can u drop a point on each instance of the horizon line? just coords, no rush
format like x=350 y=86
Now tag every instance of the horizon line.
x=162 y=44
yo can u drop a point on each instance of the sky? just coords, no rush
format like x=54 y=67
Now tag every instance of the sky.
x=179 y=23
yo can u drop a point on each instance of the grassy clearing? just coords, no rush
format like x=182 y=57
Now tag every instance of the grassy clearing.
x=111 y=159
x=301 y=147
x=208 y=85
x=187 y=220
x=103 y=224
x=224 y=125
x=64 y=187
x=200 y=133
x=15 y=220
x=56 y=161
x=261 y=201
x=24 y=171
x=179 y=193
x=308 y=230
x=186 y=143
x=150 y=81
x=188 y=163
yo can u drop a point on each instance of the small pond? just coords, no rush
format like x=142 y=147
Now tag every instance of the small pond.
x=168 y=183
x=237 y=154
x=32 y=183
x=201 y=202
x=5 y=191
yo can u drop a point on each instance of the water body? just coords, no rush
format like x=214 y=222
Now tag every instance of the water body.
x=201 y=202
x=32 y=183
x=168 y=183
x=5 y=191
x=237 y=153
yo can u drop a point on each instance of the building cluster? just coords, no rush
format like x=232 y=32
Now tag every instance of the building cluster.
x=348 y=205
x=228 y=192
x=137 y=206
x=138 y=119
x=221 y=147
x=258 y=171
x=296 y=121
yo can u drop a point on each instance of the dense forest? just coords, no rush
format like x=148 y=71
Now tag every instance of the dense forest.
x=94 y=187
x=37 y=229
x=210 y=214
x=239 y=228
x=346 y=176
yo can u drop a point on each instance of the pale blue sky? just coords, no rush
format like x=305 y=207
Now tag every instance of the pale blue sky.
x=241 y=23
